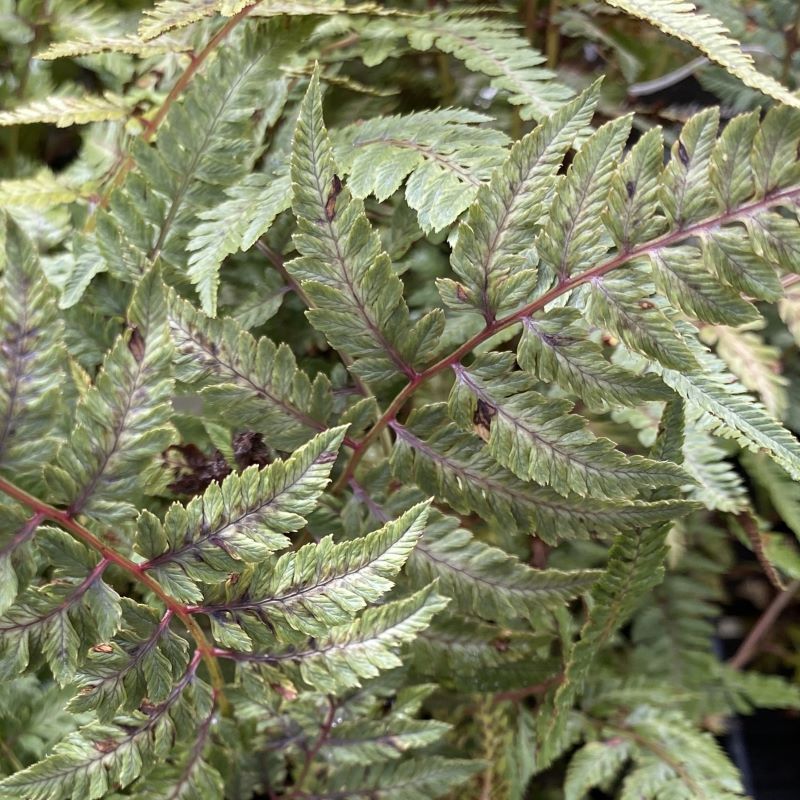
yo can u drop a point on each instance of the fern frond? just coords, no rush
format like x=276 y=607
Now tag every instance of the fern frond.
x=129 y=44
x=728 y=412
x=65 y=110
x=122 y=422
x=41 y=191
x=754 y=363
x=718 y=485
x=595 y=764
x=235 y=224
x=171 y=14
x=320 y=585
x=350 y=653
x=494 y=48
x=254 y=377
x=358 y=298
x=244 y=519
x=569 y=241
x=90 y=762
x=484 y=580
x=539 y=440
x=31 y=356
x=635 y=566
x=493 y=255
x=705 y=32
x=443 y=154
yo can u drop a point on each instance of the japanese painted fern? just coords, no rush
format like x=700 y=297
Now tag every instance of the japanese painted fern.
x=353 y=447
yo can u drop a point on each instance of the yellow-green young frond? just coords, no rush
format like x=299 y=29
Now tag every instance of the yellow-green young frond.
x=684 y=21
x=66 y=110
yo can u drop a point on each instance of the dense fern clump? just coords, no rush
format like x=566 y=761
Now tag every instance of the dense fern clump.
x=383 y=401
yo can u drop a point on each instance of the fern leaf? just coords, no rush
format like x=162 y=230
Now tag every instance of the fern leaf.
x=41 y=191
x=718 y=485
x=729 y=255
x=351 y=653
x=635 y=565
x=556 y=347
x=252 y=378
x=431 y=452
x=63 y=110
x=622 y=305
x=681 y=277
x=731 y=171
x=244 y=519
x=709 y=35
x=233 y=225
x=31 y=359
x=128 y=44
x=729 y=413
x=56 y=617
x=538 y=439
x=633 y=213
x=685 y=190
x=365 y=742
x=569 y=241
x=170 y=14
x=357 y=296
x=494 y=48
x=122 y=422
x=443 y=153
x=99 y=758
x=595 y=764
x=492 y=255
x=416 y=779
x=142 y=662
x=756 y=364
x=323 y=584
x=484 y=580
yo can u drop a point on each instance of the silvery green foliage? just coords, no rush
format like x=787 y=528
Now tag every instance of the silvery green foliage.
x=351 y=449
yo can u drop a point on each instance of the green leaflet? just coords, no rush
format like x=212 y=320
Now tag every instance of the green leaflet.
x=63 y=110
x=91 y=762
x=418 y=779
x=123 y=422
x=556 y=347
x=622 y=304
x=727 y=411
x=351 y=653
x=244 y=519
x=635 y=565
x=257 y=380
x=31 y=354
x=539 y=440
x=685 y=191
x=442 y=155
x=432 y=452
x=570 y=240
x=681 y=277
x=493 y=256
x=358 y=299
x=484 y=580
x=52 y=618
x=320 y=585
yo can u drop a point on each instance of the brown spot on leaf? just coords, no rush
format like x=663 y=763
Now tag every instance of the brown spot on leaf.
x=683 y=154
x=103 y=648
x=630 y=188
x=646 y=305
x=136 y=345
x=482 y=418
x=330 y=203
x=461 y=293
x=105 y=745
